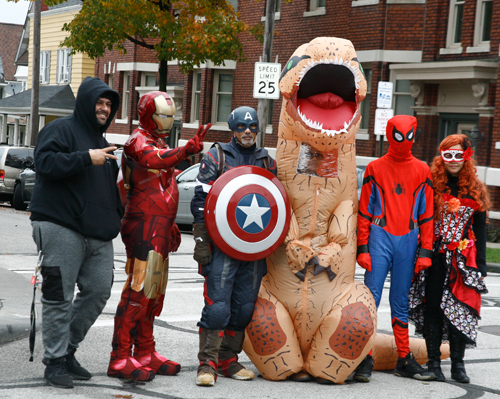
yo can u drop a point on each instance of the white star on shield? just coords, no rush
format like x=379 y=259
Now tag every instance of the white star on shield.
x=254 y=213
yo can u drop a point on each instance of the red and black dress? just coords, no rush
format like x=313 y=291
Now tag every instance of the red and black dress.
x=449 y=292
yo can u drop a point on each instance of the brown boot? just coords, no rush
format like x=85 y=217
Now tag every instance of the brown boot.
x=210 y=341
x=231 y=346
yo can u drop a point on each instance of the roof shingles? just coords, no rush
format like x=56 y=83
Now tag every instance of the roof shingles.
x=11 y=35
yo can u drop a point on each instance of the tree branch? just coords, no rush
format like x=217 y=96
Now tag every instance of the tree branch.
x=141 y=42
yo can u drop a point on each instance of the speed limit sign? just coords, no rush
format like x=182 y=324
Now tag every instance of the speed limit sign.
x=266 y=78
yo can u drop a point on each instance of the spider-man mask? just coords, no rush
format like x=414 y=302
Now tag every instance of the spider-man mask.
x=401 y=133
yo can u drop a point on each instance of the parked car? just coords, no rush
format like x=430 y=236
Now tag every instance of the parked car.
x=23 y=189
x=360 y=170
x=12 y=162
x=186 y=182
x=25 y=182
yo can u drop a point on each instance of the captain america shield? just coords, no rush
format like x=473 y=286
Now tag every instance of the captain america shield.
x=247 y=213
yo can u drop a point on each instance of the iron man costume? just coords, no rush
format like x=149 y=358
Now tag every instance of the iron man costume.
x=395 y=219
x=149 y=233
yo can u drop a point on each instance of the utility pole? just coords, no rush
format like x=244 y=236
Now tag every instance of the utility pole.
x=35 y=78
x=266 y=57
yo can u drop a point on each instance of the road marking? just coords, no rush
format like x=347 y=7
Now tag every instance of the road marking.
x=167 y=319
x=187 y=289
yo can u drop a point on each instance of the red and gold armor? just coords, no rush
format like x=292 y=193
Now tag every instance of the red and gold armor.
x=149 y=233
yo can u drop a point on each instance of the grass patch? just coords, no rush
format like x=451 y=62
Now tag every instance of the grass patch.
x=492 y=255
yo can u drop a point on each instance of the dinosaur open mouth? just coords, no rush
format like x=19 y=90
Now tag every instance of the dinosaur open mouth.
x=326 y=98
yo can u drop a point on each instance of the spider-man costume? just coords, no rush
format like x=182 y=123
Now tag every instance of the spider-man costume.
x=149 y=233
x=395 y=219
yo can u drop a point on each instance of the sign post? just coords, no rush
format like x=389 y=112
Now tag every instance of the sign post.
x=383 y=112
x=382 y=116
x=384 y=95
x=266 y=79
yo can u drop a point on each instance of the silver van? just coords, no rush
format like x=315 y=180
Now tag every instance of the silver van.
x=12 y=162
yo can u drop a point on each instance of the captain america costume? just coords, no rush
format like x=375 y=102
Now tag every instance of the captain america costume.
x=218 y=313
x=231 y=285
x=395 y=223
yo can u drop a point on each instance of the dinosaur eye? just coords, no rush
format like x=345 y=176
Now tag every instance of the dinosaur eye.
x=360 y=66
x=292 y=63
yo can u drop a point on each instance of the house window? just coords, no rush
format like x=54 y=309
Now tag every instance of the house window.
x=148 y=79
x=44 y=67
x=277 y=6
x=110 y=80
x=195 y=106
x=403 y=101
x=315 y=4
x=277 y=9
x=316 y=8
x=223 y=81
x=234 y=3
x=455 y=23
x=365 y=105
x=483 y=22
x=63 y=65
x=126 y=94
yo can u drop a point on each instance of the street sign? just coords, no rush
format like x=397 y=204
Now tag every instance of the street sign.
x=382 y=116
x=266 y=79
x=384 y=95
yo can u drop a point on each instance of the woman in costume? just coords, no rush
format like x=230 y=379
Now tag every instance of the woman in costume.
x=454 y=283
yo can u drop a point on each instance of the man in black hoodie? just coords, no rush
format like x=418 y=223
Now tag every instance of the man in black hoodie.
x=75 y=213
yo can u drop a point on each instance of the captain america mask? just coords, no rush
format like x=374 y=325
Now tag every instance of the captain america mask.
x=243 y=118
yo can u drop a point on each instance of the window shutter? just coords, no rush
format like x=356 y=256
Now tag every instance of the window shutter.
x=68 y=68
x=42 y=67
x=47 y=68
x=58 y=70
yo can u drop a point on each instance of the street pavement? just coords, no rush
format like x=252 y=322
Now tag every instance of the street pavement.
x=177 y=338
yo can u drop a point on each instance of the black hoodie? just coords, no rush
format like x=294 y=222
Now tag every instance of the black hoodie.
x=69 y=190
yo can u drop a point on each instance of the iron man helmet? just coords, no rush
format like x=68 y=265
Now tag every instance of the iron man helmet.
x=156 y=113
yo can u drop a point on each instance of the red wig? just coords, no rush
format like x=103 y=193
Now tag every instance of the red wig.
x=468 y=182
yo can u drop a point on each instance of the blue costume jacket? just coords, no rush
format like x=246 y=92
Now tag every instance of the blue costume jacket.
x=231 y=286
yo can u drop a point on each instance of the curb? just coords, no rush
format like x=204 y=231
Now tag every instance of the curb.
x=493 y=267
x=15 y=306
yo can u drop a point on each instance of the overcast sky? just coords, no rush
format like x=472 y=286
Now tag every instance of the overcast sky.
x=13 y=13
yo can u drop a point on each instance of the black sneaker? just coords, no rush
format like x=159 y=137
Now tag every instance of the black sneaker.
x=363 y=372
x=75 y=370
x=408 y=367
x=56 y=373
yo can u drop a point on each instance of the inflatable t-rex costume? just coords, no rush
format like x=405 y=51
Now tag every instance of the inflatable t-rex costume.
x=311 y=314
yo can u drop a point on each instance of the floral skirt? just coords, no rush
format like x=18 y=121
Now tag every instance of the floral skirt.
x=461 y=299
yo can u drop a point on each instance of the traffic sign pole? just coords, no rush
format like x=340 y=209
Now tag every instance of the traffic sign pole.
x=384 y=111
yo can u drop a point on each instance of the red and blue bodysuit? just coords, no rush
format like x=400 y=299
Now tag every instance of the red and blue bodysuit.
x=149 y=233
x=395 y=223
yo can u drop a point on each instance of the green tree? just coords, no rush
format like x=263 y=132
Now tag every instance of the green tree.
x=191 y=31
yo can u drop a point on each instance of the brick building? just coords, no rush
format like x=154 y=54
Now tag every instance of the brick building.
x=441 y=56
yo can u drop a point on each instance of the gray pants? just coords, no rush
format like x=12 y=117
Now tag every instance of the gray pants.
x=68 y=259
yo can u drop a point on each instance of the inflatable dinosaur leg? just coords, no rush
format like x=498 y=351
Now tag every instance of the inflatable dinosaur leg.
x=271 y=342
x=385 y=351
x=344 y=337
